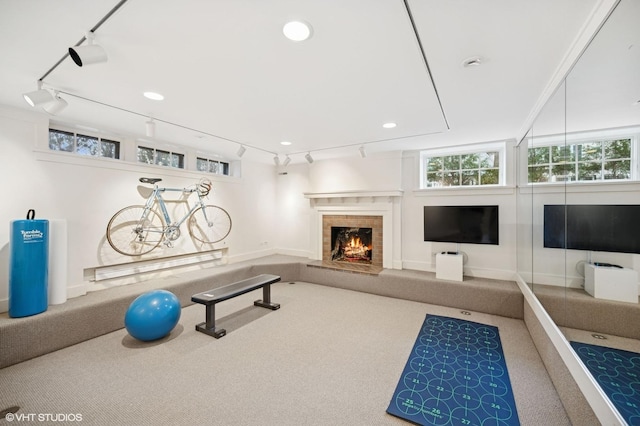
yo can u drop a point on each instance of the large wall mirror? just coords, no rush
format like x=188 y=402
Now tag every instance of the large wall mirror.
x=579 y=193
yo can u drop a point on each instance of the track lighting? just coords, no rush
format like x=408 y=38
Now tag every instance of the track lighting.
x=56 y=106
x=241 y=151
x=287 y=160
x=38 y=97
x=308 y=157
x=150 y=128
x=363 y=153
x=276 y=160
x=89 y=53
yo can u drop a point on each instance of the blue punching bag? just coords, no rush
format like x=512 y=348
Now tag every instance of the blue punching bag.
x=29 y=266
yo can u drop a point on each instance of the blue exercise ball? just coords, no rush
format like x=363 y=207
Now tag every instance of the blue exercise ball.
x=152 y=315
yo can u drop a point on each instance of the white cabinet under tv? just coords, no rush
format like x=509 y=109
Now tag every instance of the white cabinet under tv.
x=449 y=266
x=607 y=282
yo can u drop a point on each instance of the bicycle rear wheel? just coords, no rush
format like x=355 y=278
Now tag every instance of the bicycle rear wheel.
x=130 y=233
x=209 y=224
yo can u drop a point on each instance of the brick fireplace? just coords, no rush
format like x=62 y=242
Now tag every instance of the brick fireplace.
x=374 y=223
x=378 y=210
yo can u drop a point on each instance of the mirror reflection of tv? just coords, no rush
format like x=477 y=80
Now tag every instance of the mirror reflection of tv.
x=461 y=224
x=608 y=228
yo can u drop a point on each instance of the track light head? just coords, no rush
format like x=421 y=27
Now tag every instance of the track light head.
x=89 y=53
x=38 y=97
x=241 y=151
x=276 y=160
x=308 y=157
x=363 y=152
x=287 y=160
x=56 y=106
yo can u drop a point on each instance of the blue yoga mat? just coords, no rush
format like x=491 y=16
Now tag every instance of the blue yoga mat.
x=456 y=375
x=618 y=374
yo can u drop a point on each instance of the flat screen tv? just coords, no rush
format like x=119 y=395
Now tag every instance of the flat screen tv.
x=610 y=228
x=461 y=224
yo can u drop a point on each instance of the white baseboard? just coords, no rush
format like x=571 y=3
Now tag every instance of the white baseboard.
x=251 y=255
x=292 y=252
x=419 y=266
x=109 y=272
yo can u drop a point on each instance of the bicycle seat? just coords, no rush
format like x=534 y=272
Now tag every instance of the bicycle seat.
x=152 y=181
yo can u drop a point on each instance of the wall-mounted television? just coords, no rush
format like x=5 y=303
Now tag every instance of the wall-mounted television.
x=461 y=224
x=610 y=228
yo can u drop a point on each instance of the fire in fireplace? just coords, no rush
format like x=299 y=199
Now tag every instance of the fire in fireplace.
x=351 y=244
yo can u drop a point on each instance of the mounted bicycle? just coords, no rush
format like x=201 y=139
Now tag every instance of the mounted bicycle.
x=136 y=230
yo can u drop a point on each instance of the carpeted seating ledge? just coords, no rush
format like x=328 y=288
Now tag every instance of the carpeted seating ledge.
x=102 y=312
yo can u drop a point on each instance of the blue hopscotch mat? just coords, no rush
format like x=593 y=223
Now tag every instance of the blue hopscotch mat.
x=456 y=375
x=618 y=374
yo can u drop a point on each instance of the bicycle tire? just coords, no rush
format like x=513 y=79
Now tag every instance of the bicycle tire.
x=212 y=231
x=128 y=234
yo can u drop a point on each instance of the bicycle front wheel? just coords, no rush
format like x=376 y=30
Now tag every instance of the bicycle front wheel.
x=134 y=231
x=209 y=224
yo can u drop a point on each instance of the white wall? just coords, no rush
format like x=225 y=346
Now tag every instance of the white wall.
x=86 y=192
x=489 y=261
x=400 y=171
x=267 y=204
x=293 y=211
x=376 y=172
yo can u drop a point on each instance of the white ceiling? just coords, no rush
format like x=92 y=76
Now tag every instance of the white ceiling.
x=229 y=76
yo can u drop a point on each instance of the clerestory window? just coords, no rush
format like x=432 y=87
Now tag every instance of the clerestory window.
x=83 y=144
x=463 y=168
x=589 y=161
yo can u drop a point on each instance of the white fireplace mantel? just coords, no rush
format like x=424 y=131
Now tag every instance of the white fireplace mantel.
x=354 y=194
x=375 y=203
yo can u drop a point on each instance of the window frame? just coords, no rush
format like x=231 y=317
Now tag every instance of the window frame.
x=600 y=137
x=75 y=149
x=499 y=147
x=126 y=150
x=226 y=166
x=182 y=157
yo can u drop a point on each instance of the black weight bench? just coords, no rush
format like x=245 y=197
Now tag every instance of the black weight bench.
x=211 y=297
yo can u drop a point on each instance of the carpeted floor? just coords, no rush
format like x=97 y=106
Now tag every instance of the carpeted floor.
x=327 y=357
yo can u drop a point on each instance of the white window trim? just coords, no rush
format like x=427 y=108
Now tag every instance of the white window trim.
x=171 y=149
x=87 y=133
x=128 y=154
x=500 y=147
x=632 y=133
x=217 y=159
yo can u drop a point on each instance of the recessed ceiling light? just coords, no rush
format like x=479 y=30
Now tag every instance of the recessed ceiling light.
x=285 y=143
x=389 y=125
x=473 y=61
x=153 y=95
x=297 y=30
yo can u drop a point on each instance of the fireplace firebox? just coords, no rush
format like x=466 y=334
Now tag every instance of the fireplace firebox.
x=351 y=244
x=341 y=253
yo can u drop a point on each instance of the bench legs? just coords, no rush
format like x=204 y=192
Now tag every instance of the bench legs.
x=209 y=327
x=266 y=299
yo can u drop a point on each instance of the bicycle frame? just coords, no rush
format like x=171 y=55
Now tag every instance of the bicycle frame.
x=136 y=230
x=156 y=196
